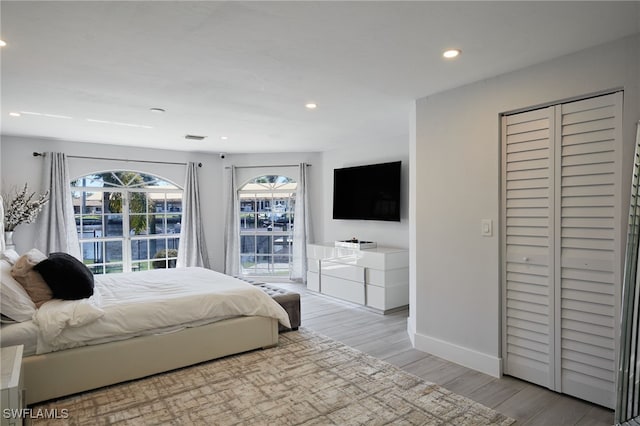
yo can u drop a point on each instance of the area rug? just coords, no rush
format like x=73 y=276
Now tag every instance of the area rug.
x=308 y=379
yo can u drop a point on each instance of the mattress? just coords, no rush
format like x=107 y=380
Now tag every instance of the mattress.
x=135 y=304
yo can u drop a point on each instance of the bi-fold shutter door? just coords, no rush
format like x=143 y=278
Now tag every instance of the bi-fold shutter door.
x=561 y=246
x=528 y=258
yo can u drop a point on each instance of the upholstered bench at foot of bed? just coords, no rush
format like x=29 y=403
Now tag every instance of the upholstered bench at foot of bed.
x=289 y=300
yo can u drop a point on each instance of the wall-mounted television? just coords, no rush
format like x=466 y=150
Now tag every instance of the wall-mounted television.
x=370 y=192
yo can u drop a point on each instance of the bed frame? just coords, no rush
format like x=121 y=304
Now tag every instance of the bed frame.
x=66 y=372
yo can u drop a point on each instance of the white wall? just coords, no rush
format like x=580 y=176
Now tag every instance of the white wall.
x=20 y=167
x=394 y=234
x=456 y=279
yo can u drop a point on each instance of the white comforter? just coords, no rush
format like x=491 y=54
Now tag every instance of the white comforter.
x=130 y=304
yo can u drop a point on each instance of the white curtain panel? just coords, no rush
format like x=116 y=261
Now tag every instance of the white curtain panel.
x=301 y=228
x=56 y=225
x=192 y=249
x=232 y=226
x=2 y=246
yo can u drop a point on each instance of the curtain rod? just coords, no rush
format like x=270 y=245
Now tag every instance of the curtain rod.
x=260 y=167
x=41 y=154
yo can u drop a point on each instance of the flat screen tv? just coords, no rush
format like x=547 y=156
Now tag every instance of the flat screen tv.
x=370 y=192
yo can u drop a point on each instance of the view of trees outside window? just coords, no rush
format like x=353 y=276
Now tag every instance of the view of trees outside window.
x=127 y=221
x=266 y=218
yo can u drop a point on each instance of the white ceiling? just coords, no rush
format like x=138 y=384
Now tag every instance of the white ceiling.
x=245 y=69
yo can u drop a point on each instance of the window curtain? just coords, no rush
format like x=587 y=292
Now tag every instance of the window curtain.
x=232 y=226
x=56 y=224
x=628 y=394
x=2 y=246
x=301 y=228
x=192 y=249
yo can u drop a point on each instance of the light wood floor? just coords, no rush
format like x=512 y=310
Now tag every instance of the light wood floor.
x=385 y=337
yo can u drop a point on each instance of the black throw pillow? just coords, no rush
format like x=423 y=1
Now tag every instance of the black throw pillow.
x=67 y=277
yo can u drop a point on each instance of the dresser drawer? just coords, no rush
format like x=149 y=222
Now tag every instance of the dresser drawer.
x=387 y=298
x=313 y=281
x=344 y=271
x=343 y=289
x=388 y=277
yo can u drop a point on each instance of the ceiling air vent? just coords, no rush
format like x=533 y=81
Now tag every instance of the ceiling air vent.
x=194 y=137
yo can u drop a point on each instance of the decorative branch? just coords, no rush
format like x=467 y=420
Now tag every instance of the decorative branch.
x=23 y=208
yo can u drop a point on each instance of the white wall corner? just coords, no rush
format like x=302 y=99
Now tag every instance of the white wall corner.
x=411 y=330
x=466 y=357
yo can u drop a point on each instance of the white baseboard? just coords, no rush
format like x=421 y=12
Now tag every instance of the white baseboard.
x=466 y=357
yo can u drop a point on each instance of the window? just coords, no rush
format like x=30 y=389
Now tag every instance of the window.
x=266 y=225
x=127 y=221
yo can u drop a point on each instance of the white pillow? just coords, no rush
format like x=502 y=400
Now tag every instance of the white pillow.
x=14 y=300
x=10 y=255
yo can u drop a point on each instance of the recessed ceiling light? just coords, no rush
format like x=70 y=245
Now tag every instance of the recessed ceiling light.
x=224 y=138
x=118 y=123
x=451 y=53
x=42 y=114
x=311 y=105
x=15 y=114
x=194 y=137
x=157 y=110
x=3 y=43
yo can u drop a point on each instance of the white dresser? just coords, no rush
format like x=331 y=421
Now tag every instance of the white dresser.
x=377 y=277
x=11 y=384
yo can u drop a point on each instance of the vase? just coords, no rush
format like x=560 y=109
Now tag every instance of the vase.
x=8 y=240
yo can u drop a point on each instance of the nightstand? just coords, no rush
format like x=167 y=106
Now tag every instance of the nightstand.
x=11 y=384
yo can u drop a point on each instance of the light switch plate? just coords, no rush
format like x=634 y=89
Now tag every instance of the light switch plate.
x=486 y=229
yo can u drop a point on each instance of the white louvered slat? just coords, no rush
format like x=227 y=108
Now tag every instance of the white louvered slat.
x=586 y=328
x=571 y=159
x=586 y=139
x=528 y=141
x=529 y=288
x=577 y=311
x=593 y=190
x=530 y=320
x=604 y=300
x=526 y=231
x=577 y=346
x=577 y=232
x=586 y=201
x=593 y=146
x=514 y=221
x=588 y=287
x=588 y=222
x=523 y=203
x=528 y=184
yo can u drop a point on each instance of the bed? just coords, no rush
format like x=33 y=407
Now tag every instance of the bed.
x=138 y=324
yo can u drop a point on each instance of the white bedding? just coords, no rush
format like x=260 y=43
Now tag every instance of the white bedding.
x=131 y=304
x=21 y=333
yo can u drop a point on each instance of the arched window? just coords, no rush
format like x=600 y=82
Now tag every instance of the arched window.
x=266 y=225
x=127 y=221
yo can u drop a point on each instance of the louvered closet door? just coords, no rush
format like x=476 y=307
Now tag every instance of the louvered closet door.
x=561 y=246
x=589 y=241
x=529 y=253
